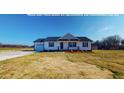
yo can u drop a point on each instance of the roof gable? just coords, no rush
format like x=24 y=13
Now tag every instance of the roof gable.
x=68 y=36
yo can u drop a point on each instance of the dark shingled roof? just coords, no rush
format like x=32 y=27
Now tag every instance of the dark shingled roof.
x=84 y=39
x=52 y=38
x=66 y=37
x=40 y=40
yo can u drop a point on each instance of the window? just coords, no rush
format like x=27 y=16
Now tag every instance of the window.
x=51 y=44
x=72 y=44
x=85 y=44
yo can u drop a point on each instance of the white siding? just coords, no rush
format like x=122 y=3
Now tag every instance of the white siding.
x=46 y=46
x=74 y=48
x=85 y=48
x=78 y=46
x=65 y=45
x=39 y=46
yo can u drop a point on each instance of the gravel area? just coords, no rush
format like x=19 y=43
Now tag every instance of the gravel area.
x=13 y=54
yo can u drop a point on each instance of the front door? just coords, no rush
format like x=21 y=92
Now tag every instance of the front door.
x=61 y=45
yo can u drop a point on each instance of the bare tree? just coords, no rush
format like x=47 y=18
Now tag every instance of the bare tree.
x=112 y=42
x=122 y=42
x=99 y=44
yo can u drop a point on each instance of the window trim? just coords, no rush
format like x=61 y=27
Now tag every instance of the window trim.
x=51 y=44
x=72 y=44
x=84 y=44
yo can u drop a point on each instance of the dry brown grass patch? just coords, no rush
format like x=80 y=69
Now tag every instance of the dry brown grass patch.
x=51 y=65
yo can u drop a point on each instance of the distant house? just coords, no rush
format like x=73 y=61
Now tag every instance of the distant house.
x=66 y=42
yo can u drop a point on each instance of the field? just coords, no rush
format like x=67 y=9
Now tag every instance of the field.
x=13 y=49
x=64 y=65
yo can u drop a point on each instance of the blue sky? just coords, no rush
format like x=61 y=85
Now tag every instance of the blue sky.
x=24 y=29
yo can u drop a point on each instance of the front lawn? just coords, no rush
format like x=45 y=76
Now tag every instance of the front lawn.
x=60 y=65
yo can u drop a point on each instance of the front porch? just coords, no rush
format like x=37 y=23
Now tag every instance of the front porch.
x=65 y=46
x=68 y=51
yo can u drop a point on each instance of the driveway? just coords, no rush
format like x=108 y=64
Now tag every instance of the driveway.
x=13 y=54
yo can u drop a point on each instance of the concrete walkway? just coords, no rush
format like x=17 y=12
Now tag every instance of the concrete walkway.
x=13 y=54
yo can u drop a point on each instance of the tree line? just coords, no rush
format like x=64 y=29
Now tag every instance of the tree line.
x=13 y=46
x=110 y=42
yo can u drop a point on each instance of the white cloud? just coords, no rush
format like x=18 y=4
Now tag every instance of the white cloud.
x=105 y=29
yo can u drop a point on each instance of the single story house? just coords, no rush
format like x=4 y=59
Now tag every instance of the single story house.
x=66 y=42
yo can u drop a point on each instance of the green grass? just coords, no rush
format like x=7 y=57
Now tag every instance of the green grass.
x=95 y=64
